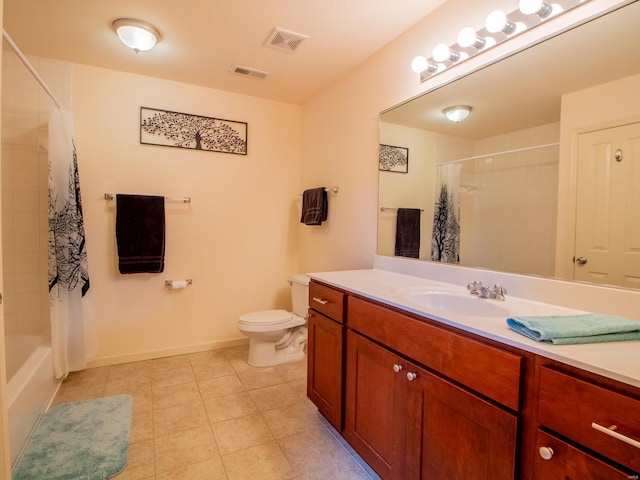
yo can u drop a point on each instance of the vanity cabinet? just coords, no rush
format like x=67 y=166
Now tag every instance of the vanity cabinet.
x=592 y=418
x=325 y=351
x=408 y=421
x=420 y=399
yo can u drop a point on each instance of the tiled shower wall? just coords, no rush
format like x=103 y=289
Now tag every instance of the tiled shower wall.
x=25 y=115
x=510 y=203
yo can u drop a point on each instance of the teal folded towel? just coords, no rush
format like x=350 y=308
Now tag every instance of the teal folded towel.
x=570 y=329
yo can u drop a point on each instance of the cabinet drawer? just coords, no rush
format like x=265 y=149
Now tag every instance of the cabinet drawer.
x=327 y=300
x=490 y=371
x=564 y=461
x=574 y=408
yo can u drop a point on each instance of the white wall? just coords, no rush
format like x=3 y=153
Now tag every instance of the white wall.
x=237 y=240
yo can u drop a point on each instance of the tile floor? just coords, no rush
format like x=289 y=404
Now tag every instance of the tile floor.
x=210 y=415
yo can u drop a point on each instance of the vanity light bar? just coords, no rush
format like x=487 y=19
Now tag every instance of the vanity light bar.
x=498 y=28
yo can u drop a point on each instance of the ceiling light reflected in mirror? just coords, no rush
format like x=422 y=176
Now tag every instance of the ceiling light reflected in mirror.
x=457 y=113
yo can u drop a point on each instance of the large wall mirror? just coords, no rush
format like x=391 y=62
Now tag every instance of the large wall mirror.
x=542 y=178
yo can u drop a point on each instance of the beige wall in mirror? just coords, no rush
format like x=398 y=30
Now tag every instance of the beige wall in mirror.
x=528 y=173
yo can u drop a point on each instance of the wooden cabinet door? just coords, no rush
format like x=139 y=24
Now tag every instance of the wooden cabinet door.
x=565 y=462
x=324 y=366
x=375 y=412
x=454 y=434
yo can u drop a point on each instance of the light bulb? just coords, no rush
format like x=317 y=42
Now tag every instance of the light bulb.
x=497 y=22
x=529 y=7
x=441 y=53
x=467 y=38
x=419 y=64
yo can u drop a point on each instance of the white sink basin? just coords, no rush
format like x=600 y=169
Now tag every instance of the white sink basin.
x=457 y=303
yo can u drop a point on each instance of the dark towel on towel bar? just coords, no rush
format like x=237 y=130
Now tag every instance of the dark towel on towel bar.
x=408 y=233
x=140 y=229
x=315 y=206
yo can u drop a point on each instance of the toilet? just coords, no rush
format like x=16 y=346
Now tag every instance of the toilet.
x=278 y=336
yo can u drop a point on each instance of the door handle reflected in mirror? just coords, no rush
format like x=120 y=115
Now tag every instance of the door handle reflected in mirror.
x=580 y=260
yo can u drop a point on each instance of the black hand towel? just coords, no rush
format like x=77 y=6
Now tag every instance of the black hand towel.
x=140 y=229
x=315 y=206
x=408 y=233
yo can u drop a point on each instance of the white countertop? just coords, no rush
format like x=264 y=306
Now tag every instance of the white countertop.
x=617 y=360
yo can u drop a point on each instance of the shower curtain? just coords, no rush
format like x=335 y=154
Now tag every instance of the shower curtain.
x=68 y=272
x=445 y=241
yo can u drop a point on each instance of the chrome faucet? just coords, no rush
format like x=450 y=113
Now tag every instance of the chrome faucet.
x=496 y=293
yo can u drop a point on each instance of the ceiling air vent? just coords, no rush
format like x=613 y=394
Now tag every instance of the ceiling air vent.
x=249 y=72
x=285 y=40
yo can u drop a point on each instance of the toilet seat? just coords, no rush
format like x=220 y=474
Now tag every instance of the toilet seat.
x=267 y=320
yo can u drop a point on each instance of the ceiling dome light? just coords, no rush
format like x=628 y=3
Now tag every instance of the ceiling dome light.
x=457 y=113
x=138 y=36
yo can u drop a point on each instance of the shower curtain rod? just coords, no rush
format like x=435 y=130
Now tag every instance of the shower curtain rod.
x=33 y=71
x=485 y=155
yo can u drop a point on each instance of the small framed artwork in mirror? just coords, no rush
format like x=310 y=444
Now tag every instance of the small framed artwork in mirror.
x=394 y=159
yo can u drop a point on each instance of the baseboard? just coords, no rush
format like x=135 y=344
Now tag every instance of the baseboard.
x=168 y=352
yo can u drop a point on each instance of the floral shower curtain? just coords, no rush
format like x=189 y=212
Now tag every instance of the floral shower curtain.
x=68 y=272
x=445 y=241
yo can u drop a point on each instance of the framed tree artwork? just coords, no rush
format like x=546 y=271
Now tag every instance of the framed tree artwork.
x=183 y=130
x=394 y=159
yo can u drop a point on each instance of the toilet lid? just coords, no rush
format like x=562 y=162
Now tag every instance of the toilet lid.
x=266 y=317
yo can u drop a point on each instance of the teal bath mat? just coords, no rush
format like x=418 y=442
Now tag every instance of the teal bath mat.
x=79 y=441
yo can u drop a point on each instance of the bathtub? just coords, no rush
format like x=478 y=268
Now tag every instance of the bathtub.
x=30 y=385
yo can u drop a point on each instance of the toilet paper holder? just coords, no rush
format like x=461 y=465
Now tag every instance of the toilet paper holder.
x=169 y=283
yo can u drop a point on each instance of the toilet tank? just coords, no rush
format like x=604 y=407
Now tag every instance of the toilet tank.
x=300 y=294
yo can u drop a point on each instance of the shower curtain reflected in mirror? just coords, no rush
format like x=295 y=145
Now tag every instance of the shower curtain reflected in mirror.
x=445 y=240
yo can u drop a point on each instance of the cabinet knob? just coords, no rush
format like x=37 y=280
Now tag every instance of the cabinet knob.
x=546 y=452
x=411 y=376
x=397 y=368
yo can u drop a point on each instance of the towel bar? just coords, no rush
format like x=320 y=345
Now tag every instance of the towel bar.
x=387 y=209
x=335 y=190
x=111 y=196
